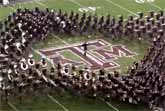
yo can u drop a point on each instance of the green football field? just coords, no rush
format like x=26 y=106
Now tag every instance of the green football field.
x=66 y=102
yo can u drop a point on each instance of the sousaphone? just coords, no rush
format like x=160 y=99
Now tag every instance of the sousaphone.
x=43 y=63
x=87 y=76
x=24 y=65
x=31 y=61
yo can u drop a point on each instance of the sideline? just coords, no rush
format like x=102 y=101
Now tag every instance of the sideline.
x=57 y=102
x=12 y=106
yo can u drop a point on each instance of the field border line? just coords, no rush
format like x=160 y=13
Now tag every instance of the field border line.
x=12 y=106
x=156 y=6
x=41 y=4
x=66 y=43
x=77 y=3
x=121 y=7
x=57 y=102
x=20 y=5
x=12 y=8
x=109 y=104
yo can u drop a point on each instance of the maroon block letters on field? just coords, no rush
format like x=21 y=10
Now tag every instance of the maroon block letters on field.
x=100 y=54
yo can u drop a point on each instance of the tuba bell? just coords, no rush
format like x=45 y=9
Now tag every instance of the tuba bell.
x=43 y=63
x=87 y=76
x=24 y=65
x=31 y=61
x=10 y=77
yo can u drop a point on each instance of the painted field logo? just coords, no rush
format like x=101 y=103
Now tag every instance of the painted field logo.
x=100 y=54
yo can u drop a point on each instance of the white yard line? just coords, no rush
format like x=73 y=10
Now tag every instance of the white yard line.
x=12 y=8
x=66 y=43
x=19 y=5
x=40 y=3
x=57 y=102
x=12 y=106
x=156 y=6
x=121 y=7
x=73 y=1
x=110 y=105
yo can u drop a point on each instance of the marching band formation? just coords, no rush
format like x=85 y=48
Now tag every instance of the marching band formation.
x=21 y=75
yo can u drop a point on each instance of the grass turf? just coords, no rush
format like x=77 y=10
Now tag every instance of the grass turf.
x=113 y=7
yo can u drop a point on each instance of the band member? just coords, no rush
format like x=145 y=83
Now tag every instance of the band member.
x=23 y=64
x=85 y=48
x=1 y=25
x=31 y=61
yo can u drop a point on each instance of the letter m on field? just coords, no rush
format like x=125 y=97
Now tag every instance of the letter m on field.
x=115 y=52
